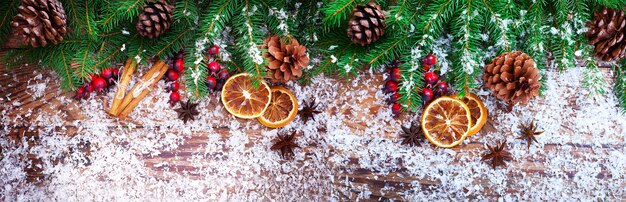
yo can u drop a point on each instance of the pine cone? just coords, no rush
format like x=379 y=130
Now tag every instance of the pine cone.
x=285 y=59
x=367 y=24
x=155 y=19
x=607 y=33
x=513 y=77
x=40 y=22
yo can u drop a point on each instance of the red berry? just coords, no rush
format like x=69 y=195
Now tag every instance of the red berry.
x=391 y=86
x=431 y=78
x=394 y=98
x=214 y=67
x=174 y=86
x=171 y=75
x=395 y=63
x=441 y=88
x=179 y=65
x=394 y=74
x=214 y=50
x=174 y=98
x=427 y=95
x=396 y=109
x=116 y=72
x=180 y=55
x=93 y=76
x=107 y=73
x=430 y=59
x=89 y=88
x=99 y=84
x=220 y=84
x=426 y=67
x=80 y=92
x=211 y=82
x=223 y=75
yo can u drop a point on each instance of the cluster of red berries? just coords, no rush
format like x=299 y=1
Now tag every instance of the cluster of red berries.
x=432 y=81
x=98 y=83
x=171 y=77
x=217 y=76
x=391 y=87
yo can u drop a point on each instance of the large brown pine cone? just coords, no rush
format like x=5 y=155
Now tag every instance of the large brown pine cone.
x=286 y=59
x=607 y=33
x=40 y=22
x=367 y=24
x=513 y=77
x=155 y=19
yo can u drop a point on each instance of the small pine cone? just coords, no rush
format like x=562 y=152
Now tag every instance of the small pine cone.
x=286 y=59
x=40 y=22
x=513 y=77
x=367 y=24
x=607 y=33
x=155 y=19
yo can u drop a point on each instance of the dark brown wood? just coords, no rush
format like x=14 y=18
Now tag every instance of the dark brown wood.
x=13 y=85
x=12 y=41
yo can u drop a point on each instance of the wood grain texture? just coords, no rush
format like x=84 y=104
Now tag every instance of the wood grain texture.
x=22 y=123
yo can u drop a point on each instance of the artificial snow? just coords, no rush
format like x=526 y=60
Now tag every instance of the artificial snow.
x=221 y=158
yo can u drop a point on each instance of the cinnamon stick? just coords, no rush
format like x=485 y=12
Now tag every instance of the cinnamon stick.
x=129 y=69
x=141 y=89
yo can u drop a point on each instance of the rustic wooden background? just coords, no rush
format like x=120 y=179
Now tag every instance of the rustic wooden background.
x=13 y=84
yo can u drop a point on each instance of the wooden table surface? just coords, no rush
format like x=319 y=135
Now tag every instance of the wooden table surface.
x=348 y=177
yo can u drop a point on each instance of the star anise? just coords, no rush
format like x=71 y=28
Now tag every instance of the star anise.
x=413 y=135
x=498 y=155
x=285 y=144
x=309 y=111
x=187 y=111
x=529 y=131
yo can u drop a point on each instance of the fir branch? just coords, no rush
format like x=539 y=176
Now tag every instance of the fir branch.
x=337 y=12
x=82 y=57
x=338 y=51
x=562 y=45
x=119 y=11
x=8 y=10
x=67 y=72
x=389 y=49
x=404 y=14
x=218 y=14
x=411 y=81
x=170 y=43
x=186 y=11
x=276 y=18
x=308 y=19
x=499 y=30
x=81 y=18
x=620 y=84
x=467 y=26
x=195 y=73
x=249 y=40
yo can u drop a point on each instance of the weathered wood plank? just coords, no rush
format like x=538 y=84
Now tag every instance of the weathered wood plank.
x=14 y=85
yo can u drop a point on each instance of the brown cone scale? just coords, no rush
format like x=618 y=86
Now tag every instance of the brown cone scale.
x=513 y=77
x=155 y=19
x=285 y=59
x=40 y=22
x=607 y=32
x=367 y=24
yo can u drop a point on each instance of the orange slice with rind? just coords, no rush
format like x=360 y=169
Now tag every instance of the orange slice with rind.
x=446 y=121
x=242 y=99
x=282 y=110
x=478 y=111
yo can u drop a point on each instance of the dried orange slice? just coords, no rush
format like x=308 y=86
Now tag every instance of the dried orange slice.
x=243 y=100
x=477 y=110
x=446 y=121
x=282 y=110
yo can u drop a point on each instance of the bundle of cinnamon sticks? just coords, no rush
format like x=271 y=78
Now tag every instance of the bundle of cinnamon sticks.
x=124 y=102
